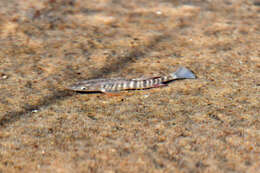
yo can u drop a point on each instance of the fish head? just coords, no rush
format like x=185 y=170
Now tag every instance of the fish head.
x=84 y=87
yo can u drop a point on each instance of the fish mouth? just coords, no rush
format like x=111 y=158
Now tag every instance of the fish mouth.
x=72 y=87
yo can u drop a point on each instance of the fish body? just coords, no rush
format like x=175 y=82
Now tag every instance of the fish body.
x=119 y=84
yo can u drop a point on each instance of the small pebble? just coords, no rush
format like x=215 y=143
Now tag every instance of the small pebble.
x=146 y=95
x=35 y=111
x=158 y=12
x=4 y=76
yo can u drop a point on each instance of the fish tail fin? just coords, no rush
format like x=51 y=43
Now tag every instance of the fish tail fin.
x=183 y=73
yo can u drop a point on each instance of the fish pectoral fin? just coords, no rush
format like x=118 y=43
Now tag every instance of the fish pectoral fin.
x=108 y=91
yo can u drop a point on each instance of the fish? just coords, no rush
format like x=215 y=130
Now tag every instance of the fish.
x=110 y=85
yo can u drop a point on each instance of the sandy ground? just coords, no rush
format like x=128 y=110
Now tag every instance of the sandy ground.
x=210 y=124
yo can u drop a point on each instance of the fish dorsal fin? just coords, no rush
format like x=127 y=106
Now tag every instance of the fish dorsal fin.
x=146 y=78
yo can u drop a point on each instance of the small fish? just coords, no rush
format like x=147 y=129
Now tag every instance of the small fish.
x=119 y=84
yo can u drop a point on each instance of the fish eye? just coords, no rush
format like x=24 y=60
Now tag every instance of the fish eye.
x=83 y=88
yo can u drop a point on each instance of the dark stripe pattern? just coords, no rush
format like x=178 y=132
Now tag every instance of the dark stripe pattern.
x=133 y=84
